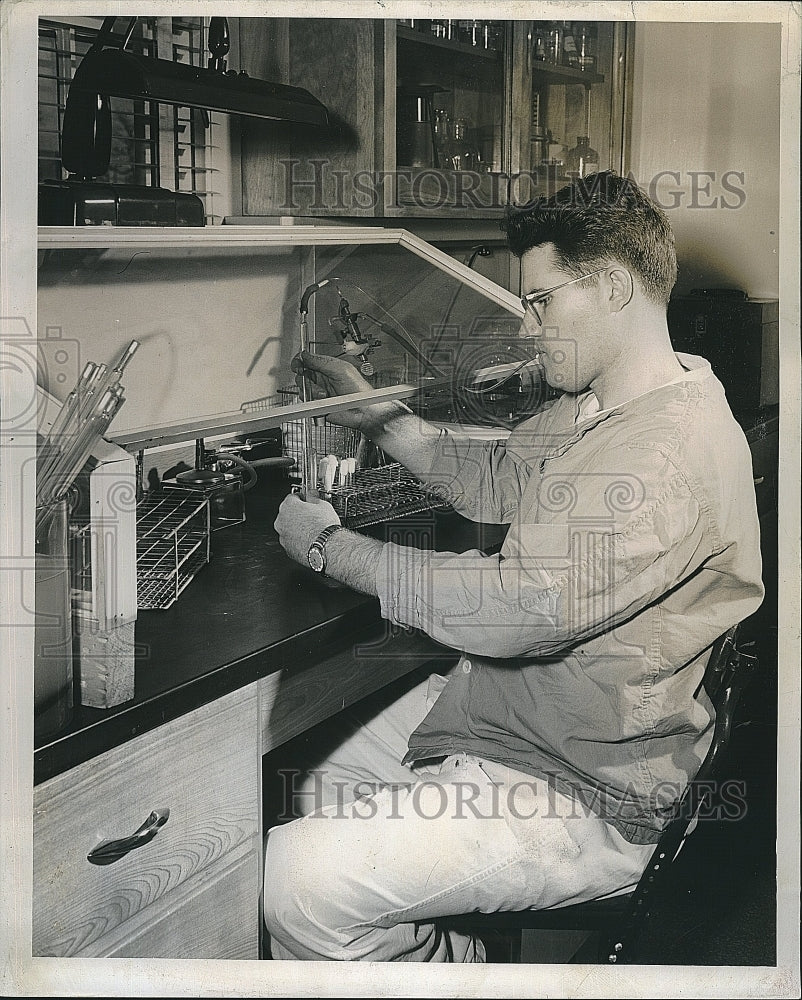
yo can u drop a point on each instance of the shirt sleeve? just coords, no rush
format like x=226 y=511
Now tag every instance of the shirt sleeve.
x=482 y=480
x=553 y=584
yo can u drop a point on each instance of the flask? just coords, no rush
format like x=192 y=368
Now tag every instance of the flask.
x=586 y=37
x=582 y=159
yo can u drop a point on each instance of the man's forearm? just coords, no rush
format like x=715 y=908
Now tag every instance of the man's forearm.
x=403 y=435
x=352 y=559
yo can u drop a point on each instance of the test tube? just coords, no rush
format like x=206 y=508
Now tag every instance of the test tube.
x=308 y=451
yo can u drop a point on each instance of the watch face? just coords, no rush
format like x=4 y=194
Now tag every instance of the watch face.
x=315 y=557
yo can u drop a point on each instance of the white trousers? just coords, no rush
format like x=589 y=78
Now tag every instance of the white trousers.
x=382 y=849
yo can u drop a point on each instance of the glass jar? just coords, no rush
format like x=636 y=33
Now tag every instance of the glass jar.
x=582 y=159
x=52 y=655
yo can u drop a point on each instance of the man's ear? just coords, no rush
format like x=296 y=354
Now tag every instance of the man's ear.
x=621 y=288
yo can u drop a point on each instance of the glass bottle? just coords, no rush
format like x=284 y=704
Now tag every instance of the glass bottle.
x=586 y=38
x=463 y=155
x=554 y=42
x=582 y=159
x=569 y=56
x=464 y=31
x=539 y=42
x=494 y=35
x=476 y=37
x=442 y=138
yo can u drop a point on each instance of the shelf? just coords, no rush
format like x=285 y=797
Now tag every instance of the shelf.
x=460 y=48
x=553 y=73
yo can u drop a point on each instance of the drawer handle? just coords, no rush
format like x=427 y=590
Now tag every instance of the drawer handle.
x=758 y=480
x=109 y=851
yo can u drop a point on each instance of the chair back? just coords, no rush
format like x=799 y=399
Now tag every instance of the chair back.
x=728 y=671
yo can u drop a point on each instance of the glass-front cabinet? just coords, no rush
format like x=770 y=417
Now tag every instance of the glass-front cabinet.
x=450 y=108
x=437 y=117
x=574 y=84
x=496 y=112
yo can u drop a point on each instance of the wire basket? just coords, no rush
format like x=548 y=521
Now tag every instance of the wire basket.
x=373 y=496
x=172 y=544
x=379 y=490
x=327 y=439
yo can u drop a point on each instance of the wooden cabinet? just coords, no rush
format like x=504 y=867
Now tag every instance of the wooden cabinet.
x=426 y=121
x=190 y=891
x=310 y=172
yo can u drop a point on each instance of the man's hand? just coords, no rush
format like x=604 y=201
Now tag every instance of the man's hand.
x=326 y=377
x=299 y=523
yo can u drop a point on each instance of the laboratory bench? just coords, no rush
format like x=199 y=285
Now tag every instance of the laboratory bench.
x=256 y=651
x=248 y=614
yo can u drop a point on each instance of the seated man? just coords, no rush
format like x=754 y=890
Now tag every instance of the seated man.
x=540 y=772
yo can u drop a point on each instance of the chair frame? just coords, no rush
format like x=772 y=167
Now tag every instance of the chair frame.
x=620 y=919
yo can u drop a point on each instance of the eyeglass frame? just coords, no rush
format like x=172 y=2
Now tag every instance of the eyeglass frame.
x=530 y=300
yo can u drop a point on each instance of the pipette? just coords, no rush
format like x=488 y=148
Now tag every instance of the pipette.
x=84 y=417
x=309 y=488
x=73 y=460
x=56 y=438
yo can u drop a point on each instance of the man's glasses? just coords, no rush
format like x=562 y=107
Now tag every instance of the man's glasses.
x=531 y=299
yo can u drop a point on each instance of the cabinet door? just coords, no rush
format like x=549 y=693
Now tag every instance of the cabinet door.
x=190 y=891
x=569 y=102
x=289 y=171
x=450 y=81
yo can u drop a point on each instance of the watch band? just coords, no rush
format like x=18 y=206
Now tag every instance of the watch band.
x=316 y=556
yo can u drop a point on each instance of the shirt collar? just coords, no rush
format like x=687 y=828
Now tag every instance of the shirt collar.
x=587 y=405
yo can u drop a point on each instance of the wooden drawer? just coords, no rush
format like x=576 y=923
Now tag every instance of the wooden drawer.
x=219 y=913
x=204 y=768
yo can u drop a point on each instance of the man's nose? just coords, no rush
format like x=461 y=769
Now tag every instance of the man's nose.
x=529 y=325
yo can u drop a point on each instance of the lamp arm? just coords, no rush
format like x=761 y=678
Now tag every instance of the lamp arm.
x=104 y=35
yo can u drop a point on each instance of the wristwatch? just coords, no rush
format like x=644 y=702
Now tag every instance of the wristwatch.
x=316 y=556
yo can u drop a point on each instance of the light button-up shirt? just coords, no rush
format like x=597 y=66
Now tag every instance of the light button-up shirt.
x=633 y=543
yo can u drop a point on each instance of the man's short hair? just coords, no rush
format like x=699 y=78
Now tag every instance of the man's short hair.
x=597 y=219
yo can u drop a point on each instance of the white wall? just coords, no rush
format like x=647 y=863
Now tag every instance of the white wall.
x=706 y=97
